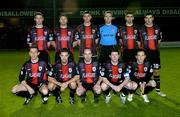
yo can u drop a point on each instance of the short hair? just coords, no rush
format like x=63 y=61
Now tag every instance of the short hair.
x=108 y=11
x=141 y=50
x=114 y=50
x=129 y=12
x=33 y=46
x=88 y=49
x=63 y=14
x=64 y=50
x=148 y=14
x=38 y=13
x=86 y=12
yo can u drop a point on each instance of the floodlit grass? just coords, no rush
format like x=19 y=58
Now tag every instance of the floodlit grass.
x=11 y=105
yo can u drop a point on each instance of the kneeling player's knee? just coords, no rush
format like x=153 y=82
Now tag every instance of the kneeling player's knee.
x=104 y=86
x=79 y=91
x=51 y=86
x=134 y=86
x=153 y=83
x=73 y=85
x=98 y=91
x=13 y=90
x=44 y=91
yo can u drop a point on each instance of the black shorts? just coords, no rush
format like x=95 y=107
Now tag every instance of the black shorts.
x=105 y=52
x=88 y=86
x=35 y=87
x=44 y=55
x=153 y=56
x=140 y=80
x=116 y=84
x=129 y=55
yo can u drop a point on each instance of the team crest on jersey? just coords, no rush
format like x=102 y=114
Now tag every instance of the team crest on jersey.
x=45 y=32
x=94 y=69
x=58 y=34
x=102 y=73
x=156 y=31
x=145 y=69
x=120 y=70
x=69 y=32
x=40 y=68
x=93 y=31
x=135 y=31
x=70 y=70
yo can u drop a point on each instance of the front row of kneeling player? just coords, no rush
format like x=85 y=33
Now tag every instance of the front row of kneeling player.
x=87 y=75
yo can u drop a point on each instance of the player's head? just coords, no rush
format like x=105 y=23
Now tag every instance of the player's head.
x=87 y=16
x=64 y=55
x=129 y=17
x=87 y=54
x=33 y=52
x=38 y=18
x=149 y=18
x=108 y=17
x=140 y=56
x=63 y=20
x=114 y=55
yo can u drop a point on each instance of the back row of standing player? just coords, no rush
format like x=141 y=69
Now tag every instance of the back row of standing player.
x=131 y=38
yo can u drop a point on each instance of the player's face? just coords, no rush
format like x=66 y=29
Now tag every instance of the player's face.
x=87 y=17
x=39 y=19
x=64 y=57
x=140 y=57
x=149 y=19
x=129 y=18
x=108 y=18
x=63 y=20
x=114 y=56
x=87 y=55
x=33 y=53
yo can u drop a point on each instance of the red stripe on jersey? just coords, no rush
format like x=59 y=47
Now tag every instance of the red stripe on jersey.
x=151 y=41
x=64 y=38
x=34 y=68
x=65 y=72
x=140 y=73
x=114 y=74
x=130 y=37
x=45 y=77
x=40 y=36
x=88 y=72
x=88 y=37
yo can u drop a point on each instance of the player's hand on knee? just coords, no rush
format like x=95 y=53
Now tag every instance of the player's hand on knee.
x=80 y=90
x=64 y=85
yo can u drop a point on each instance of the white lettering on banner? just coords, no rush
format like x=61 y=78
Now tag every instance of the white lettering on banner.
x=141 y=12
x=17 y=13
x=171 y=12
x=94 y=12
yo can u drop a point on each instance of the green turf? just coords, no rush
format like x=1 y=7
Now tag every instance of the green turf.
x=11 y=105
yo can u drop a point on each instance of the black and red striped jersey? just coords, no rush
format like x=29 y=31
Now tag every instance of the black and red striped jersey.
x=115 y=73
x=40 y=37
x=129 y=36
x=64 y=38
x=35 y=73
x=141 y=72
x=89 y=73
x=87 y=35
x=63 y=73
x=150 y=37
